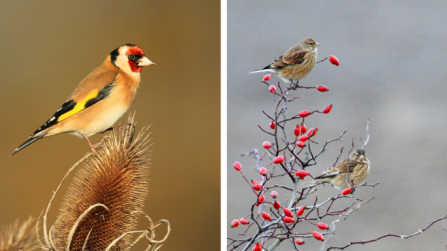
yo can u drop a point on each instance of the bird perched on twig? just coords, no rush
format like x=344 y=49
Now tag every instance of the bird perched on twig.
x=100 y=99
x=349 y=172
x=296 y=63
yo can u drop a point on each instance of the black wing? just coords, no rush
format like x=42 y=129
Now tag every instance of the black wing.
x=66 y=107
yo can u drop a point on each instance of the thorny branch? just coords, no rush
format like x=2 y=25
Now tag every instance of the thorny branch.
x=420 y=231
x=277 y=230
x=367 y=135
x=274 y=231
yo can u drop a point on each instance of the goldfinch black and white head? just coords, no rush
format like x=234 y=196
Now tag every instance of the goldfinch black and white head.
x=129 y=58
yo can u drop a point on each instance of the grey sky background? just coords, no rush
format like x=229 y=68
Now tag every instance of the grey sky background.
x=392 y=70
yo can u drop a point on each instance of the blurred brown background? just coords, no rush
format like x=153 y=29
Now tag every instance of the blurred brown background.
x=392 y=71
x=48 y=47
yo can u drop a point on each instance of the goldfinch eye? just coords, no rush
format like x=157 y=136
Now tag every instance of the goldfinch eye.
x=131 y=56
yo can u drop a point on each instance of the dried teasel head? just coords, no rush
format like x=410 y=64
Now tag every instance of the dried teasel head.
x=17 y=237
x=116 y=176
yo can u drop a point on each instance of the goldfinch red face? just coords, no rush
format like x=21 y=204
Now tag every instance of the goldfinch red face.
x=130 y=59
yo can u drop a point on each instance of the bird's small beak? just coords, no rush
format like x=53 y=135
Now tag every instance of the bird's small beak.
x=318 y=44
x=144 y=61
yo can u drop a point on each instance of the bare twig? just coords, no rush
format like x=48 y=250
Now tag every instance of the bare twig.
x=324 y=59
x=276 y=230
x=367 y=135
x=420 y=231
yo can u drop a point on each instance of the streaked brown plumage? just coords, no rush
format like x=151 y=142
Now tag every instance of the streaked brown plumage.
x=100 y=99
x=354 y=170
x=296 y=63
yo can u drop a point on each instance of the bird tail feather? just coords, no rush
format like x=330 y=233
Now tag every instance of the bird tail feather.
x=261 y=70
x=31 y=140
x=327 y=175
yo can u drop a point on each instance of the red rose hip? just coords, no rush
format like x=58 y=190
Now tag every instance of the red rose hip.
x=266 y=216
x=297 y=131
x=258 y=247
x=334 y=60
x=300 y=144
x=267 y=77
x=288 y=219
x=304 y=114
x=302 y=174
x=237 y=166
x=303 y=128
x=276 y=205
x=322 y=88
x=347 y=191
x=287 y=212
x=322 y=226
x=318 y=236
x=278 y=160
x=243 y=221
x=304 y=138
x=299 y=241
x=301 y=211
x=312 y=132
x=327 y=109
x=266 y=145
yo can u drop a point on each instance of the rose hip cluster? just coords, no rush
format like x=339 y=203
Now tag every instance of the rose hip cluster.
x=269 y=210
x=287 y=216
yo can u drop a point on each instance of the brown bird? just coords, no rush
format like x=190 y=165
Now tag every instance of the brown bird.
x=296 y=63
x=100 y=99
x=349 y=172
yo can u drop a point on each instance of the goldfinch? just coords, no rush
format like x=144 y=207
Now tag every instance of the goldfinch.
x=351 y=171
x=100 y=99
x=296 y=63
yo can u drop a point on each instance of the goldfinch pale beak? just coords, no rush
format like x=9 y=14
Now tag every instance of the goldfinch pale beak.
x=144 y=61
x=318 y=44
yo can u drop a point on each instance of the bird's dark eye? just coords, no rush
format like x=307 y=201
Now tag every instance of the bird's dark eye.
x=131 y=56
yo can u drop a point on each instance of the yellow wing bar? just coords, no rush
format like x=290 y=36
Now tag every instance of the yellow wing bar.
x=80 y=105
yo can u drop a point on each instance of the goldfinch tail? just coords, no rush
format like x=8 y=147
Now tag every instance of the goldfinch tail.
x=29 y=142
